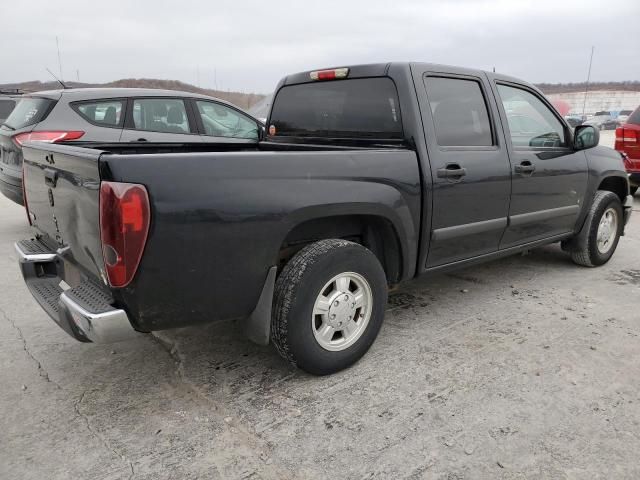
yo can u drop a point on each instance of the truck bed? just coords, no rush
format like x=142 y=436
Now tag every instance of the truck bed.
x=218 y=218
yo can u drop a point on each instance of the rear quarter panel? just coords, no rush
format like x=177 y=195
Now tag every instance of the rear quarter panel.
x=219 y=219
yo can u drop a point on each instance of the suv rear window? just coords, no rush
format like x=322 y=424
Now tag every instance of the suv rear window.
x=28 y=111
x=352 y=108
x=6 y=107
x=634 y=118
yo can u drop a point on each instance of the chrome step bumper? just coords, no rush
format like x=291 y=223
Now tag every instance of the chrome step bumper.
x=84 y=311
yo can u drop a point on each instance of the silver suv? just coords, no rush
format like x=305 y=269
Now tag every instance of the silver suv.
x=92 y=116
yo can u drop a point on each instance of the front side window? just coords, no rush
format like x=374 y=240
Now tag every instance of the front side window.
x=106 y=113
x=221 y=121
x=167 y=115
x=459 y=112
x=531 y=122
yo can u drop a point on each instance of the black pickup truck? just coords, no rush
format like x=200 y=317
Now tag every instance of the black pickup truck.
x=365 y=177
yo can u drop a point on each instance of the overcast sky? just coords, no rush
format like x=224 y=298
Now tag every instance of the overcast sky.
x=248 y=45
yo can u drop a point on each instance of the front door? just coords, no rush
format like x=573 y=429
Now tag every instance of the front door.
x=469 y=166
x=549 y=177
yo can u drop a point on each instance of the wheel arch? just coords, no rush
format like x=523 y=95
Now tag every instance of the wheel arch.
x=371 y=226
x=616 y=184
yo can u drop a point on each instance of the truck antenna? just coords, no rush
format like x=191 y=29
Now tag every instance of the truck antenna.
x=57 y=79
x=586 y=89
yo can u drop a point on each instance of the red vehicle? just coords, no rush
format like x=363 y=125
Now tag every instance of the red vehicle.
x=628 y=143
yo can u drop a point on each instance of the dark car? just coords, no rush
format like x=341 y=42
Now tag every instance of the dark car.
x=623 y=116
x=573 y=121
x=369 y=176
x=8 y=100
x=603 y=121
x=116 y=115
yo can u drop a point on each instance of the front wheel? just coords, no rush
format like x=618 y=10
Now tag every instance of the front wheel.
x=328 y=306
x=604 y=226
x=633 y=190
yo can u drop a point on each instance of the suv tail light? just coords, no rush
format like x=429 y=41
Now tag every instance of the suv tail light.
x=626 y=137
x=124 y=226
x=47 y=136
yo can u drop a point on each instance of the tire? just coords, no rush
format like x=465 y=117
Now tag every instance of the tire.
x=591 y=253
x=296 y=325
x=633 y=190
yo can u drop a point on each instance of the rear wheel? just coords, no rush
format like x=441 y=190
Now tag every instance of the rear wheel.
x=633 y=190
x=328 y=306
x=604 y=227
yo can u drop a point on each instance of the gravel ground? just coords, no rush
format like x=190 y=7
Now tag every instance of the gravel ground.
x=528 y=367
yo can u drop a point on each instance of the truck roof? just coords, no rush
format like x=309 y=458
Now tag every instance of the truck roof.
x=382 y=69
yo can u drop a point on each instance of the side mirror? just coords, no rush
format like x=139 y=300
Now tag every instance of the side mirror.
x=585 y=136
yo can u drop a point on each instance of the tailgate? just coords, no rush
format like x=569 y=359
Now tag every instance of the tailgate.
x=62 y=186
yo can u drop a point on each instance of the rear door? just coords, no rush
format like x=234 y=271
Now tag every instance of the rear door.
x=469 y=163
x=549 y=177
x=160 y=120
x=105 y=118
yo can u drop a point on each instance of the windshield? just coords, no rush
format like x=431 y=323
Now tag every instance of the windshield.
x=634 y=118
x=355 y=108
x=28 y=111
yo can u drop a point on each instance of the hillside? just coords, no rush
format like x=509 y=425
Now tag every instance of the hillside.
x=242 y=100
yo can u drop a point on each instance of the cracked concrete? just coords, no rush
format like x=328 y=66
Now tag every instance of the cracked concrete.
x=528 y=367
x=99 y=436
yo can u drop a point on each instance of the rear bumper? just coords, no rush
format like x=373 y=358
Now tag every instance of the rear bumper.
x=11 y=188
x=85 y=311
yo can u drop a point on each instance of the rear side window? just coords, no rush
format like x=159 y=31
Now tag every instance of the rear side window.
x=107 y=113
x=160 y=115
x=28 y=111
x=459 y=112
x=355 y=108
x=6 y=107
x=634 y=118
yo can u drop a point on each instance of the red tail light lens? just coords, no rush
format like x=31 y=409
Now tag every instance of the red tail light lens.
x=24 y=196
x=48 y=136
x=124 y=226
x=626 y=137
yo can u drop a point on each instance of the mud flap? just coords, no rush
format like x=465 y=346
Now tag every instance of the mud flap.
x=257 y=327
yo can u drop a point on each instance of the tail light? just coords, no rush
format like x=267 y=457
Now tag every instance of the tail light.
x=329 y=74
x=47 y=136
x=24 y=196
x=124 y=226
x=626 y=137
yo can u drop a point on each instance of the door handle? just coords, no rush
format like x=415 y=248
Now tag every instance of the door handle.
x=453 y=170
x=140 y=140
x=525 y=167
x=50 y=177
